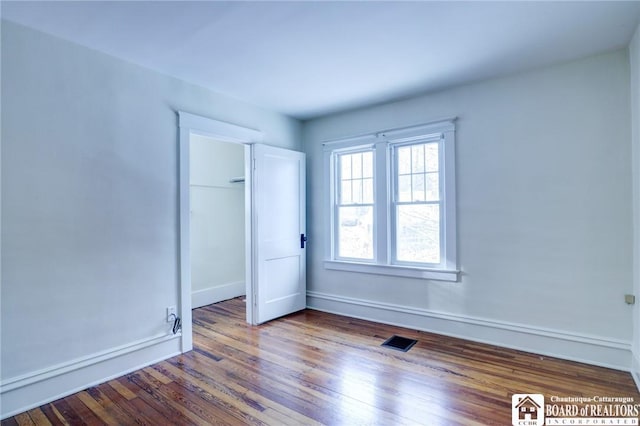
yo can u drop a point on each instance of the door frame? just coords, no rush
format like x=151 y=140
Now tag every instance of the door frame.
x=191 y=124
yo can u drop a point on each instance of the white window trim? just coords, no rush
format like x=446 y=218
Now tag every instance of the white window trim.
x=443 y=129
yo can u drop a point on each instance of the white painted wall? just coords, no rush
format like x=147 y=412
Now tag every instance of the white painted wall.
x=634 y=60
x=217 y=221
x=544 y=214
x=89 y=208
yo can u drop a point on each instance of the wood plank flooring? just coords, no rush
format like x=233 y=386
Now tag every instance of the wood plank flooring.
x=316 y=368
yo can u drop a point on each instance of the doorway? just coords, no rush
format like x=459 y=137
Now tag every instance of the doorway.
x=274 y=246
x=193 y=127
x=216 y=186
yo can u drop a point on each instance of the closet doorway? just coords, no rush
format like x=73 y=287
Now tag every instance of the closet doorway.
x=217 y=214
x=272 y=249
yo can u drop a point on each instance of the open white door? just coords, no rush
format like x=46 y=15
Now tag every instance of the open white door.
x=278 y=220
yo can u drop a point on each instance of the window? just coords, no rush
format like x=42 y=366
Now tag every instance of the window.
x=416 y=203
x=354 y=205
x=392 y=202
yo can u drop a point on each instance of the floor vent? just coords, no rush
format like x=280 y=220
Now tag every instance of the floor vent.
x=399 y=343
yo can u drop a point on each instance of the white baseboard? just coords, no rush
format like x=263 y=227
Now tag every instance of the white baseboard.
x=635 y=370
x=605 y=352
x=22 y=393
x=218 y=293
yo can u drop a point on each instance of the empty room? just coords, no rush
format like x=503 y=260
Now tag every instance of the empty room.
x=320 y=213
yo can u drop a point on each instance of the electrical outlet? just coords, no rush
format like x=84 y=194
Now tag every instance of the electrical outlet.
x=171 y=310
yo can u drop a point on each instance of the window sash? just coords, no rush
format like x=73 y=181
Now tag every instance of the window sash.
x=395 y=202
x=338 y=203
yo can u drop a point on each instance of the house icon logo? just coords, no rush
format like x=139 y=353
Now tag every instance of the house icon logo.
x=527 y=409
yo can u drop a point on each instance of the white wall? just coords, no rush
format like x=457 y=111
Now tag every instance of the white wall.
x=89 y=210
x=544 y=214
x=634 y=60
x=217 y=221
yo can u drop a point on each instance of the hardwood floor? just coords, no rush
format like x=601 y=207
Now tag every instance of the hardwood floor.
x=317 y=368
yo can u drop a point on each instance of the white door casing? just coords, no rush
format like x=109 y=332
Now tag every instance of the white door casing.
x=193 y=124
x=278 y=220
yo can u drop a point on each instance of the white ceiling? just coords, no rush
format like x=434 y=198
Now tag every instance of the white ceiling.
x=311 y=58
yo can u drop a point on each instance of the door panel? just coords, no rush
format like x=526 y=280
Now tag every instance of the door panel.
x=281 y=278
x=278 y=217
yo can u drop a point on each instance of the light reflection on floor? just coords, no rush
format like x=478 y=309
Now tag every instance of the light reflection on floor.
x=378 y=388
x=358 y=383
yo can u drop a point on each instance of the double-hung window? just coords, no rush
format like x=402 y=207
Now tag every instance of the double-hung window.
x=354 y=205
x=415 y=204
x=392 y=202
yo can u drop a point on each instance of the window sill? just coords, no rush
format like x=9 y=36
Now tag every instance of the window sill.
x=393 y=270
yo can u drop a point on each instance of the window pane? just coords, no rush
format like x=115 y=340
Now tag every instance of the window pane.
x=345 y=167
x=431 y=154
x=433 y=188
x=356 y=165
x=367 y=164
x=367 y=191
x=418 y=188
x=404 y=188
x=345 y=192
x=357 y=191
x=418 y=233
x=404 y=160
x=355 y=232
x=417 y=158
